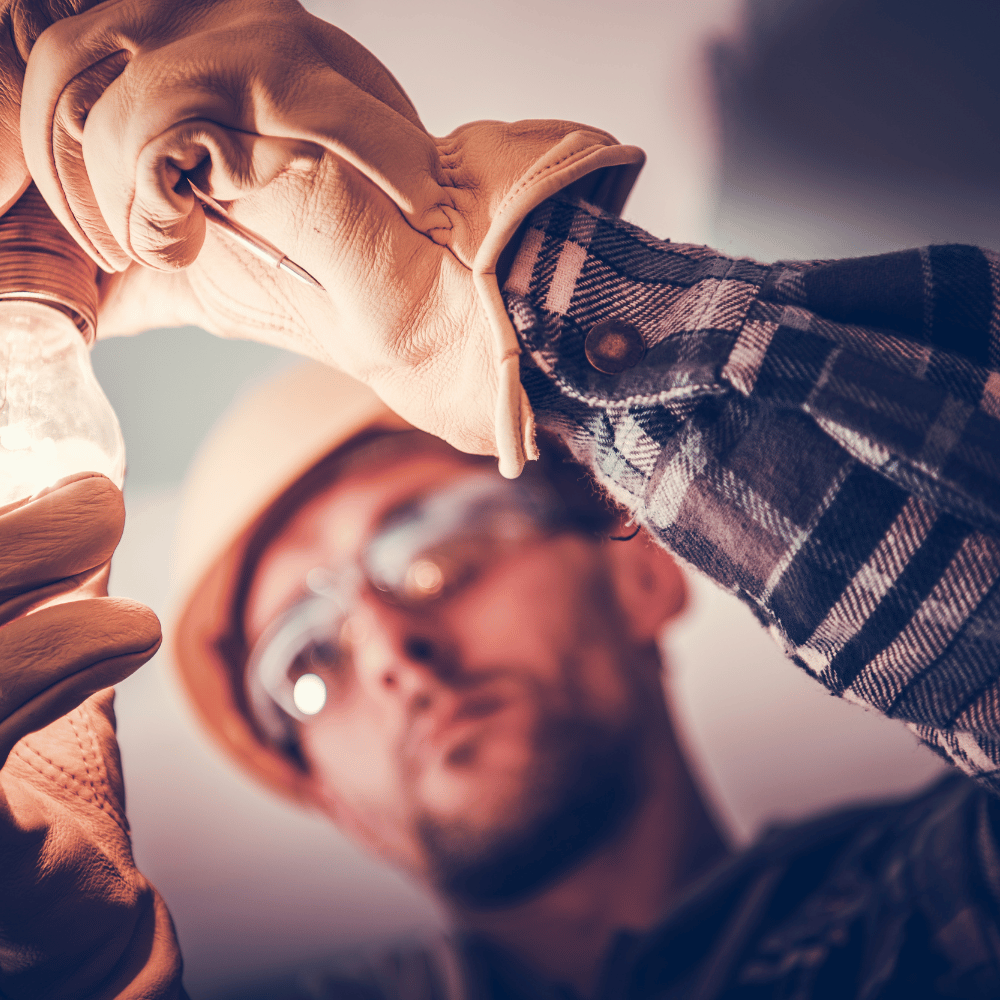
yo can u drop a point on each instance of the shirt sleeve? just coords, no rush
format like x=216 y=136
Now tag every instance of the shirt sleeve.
x=822 y=439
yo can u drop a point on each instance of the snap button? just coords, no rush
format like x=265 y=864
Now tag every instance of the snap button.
x=614 y=346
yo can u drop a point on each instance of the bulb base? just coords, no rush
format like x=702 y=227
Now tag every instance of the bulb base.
x=41 y=262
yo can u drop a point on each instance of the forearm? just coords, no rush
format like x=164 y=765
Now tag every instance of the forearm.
x=842 y=480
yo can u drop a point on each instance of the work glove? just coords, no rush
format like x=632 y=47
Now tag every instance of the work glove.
x=21 y=22
x=307 y=139
x=76 y=918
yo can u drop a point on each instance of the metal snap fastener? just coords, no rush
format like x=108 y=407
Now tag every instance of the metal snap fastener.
x=614 y=346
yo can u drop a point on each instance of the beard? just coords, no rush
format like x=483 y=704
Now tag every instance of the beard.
x=589 y=784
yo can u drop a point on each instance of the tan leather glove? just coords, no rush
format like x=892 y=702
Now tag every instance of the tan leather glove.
x=316 y=147
x=76 y=918
x=21 y=22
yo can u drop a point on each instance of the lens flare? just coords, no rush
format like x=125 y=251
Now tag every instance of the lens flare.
x=309 y=694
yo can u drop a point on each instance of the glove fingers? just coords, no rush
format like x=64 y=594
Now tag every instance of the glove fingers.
x=231 y=149
x=161 y=223
x=166 y=224
x=120 y=175
x=54 y=659
x=71 y=65
x=92 y=583
x=63 y=533
x=14 y=177
x=195 y=74
x=73 y=202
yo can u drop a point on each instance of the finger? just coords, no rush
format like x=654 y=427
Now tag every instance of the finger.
x=57 y=642
x=14 y=177
x=53 y=660
x=123 y=176
x=138 y=134
x=92 y=104
x=71 y=64
x=51 y=488
x=60 y=56
x=75 y=195
x=92 y=583
x=165 y=224
x=63 y=533
x=73 y=477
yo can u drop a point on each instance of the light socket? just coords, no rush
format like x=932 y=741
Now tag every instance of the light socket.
x=41 y=262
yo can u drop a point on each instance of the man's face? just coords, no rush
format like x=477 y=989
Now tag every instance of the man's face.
x=484 y=741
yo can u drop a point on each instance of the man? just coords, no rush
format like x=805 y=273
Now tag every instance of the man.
x=385 y=628
x=820 y=439
x=498 y=728
x=471 y=668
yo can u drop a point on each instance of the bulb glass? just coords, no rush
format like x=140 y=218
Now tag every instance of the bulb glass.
x=54 y=417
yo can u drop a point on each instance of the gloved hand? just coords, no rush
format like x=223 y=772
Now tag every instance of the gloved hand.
x=312 y=143
x=76 y=918
x=21 y=22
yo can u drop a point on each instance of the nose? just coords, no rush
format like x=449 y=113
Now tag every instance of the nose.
x=401 y=653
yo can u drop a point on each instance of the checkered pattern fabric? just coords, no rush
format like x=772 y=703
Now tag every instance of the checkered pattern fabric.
x=822 y=439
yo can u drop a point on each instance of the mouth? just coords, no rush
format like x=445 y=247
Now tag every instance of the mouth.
x=449 y=732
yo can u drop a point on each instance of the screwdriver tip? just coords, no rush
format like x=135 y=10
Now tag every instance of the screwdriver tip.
x=290 y=267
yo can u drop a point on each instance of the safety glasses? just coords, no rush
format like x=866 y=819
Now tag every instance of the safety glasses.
x=425 y=551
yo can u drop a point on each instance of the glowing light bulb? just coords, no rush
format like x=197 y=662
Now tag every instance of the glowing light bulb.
x=54 y=417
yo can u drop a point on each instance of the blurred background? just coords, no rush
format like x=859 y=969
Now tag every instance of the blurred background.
x=775 y=129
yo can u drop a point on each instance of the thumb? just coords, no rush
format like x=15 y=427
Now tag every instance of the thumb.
x=165 y=226
x=54 y=659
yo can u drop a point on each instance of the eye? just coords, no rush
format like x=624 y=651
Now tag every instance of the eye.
x=443 y=570
x=322 y=655
x=316 y=675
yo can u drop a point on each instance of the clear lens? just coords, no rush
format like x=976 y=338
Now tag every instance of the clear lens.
x=305 y=642
x=54 y=417
x=442 y=541
x=424 y=551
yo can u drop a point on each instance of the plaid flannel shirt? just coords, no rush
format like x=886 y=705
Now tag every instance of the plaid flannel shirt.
x=822 y=439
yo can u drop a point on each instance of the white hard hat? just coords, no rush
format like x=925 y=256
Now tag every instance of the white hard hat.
x=259 y=449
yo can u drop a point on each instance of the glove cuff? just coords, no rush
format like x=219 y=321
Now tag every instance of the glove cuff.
x=601 y=172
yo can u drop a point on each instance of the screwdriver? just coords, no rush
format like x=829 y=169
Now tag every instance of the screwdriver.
x=262 y=249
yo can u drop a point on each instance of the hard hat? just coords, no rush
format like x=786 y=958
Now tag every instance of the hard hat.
x=259 y=449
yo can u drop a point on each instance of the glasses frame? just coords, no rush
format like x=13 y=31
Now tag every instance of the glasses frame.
x=332 y=592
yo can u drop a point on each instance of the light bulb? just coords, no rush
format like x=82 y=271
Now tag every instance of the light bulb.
x=54 y=417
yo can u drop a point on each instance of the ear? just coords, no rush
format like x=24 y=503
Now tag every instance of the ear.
x=650 y=586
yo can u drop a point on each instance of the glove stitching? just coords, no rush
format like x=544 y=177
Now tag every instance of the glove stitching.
x=526 y=181
x=100 y=789
x=118 y=819
x=108 y=802
x=100 y=796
